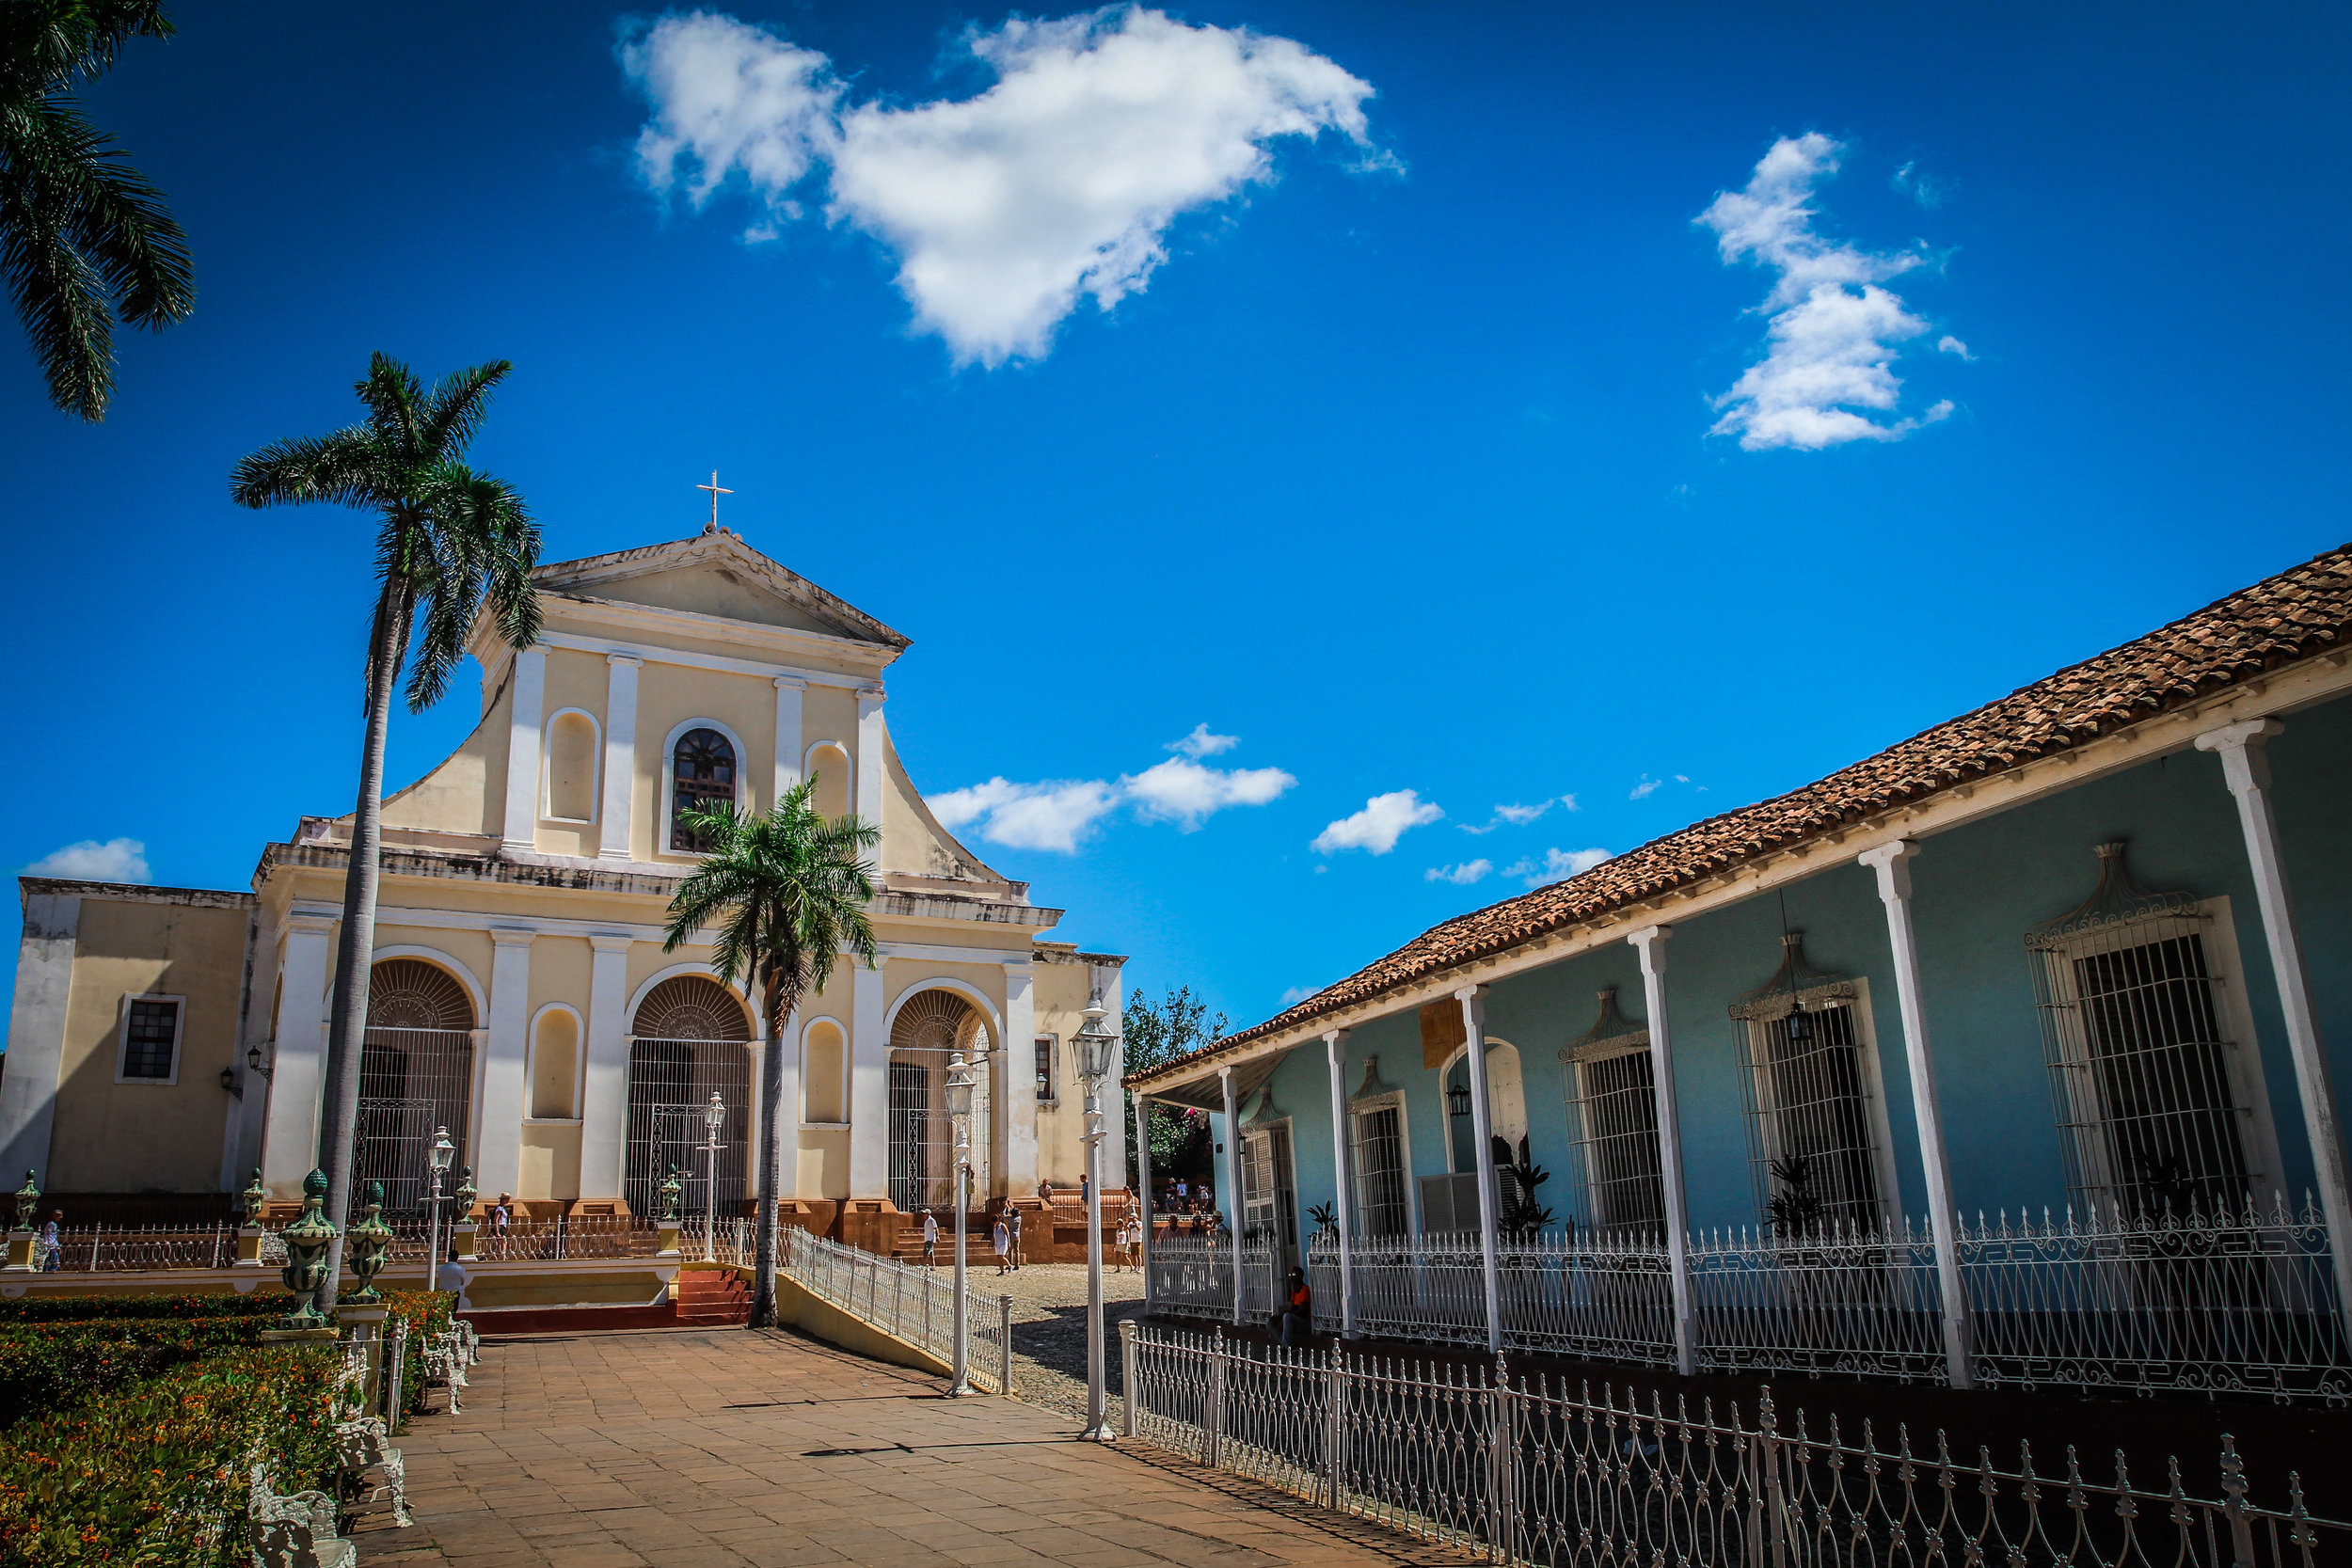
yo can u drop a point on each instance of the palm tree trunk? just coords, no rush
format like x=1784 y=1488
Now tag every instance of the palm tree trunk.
x=356 y=944
x=771 y=1109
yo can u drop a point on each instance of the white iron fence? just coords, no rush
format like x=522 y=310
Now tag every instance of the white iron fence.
x=2210 y=1302
x=1193 y=1276
x=917 y=1306
x=1521 y=1471
x=105 y=1248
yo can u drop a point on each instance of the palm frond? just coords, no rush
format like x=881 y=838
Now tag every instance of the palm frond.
x=453 y=411
x=120 y=225
x=339 y=467
x=58 y=296
x=392 y=394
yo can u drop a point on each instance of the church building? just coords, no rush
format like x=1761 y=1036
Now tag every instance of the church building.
x=169 y=1040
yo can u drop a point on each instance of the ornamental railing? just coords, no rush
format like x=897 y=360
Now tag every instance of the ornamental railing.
x=917 y=1306
x=1192 y=1276
x=2201 y=1302
x=106 y=1248
x=1522 y=1470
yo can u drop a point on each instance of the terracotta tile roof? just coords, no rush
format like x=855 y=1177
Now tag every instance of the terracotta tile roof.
x=2292 y=616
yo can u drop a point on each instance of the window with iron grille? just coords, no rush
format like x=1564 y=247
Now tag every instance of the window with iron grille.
x=701 y=778
x=1045 y=1066
x=1817 y=1127
x=150 y=1039
x=1613 y=1182
x=1269 y=1193
x=2154 y=1100
x=1380 y=1205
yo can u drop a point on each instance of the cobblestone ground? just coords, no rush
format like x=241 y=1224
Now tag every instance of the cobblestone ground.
x=747 y=1449
x=1049 y=1330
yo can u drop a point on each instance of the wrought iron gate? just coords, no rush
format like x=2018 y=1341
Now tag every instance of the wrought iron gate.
x=412 y=1083
x=669 y=1084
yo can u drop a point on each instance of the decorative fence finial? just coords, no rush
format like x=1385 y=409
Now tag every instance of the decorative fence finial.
x=256 y=1199
x=307 y=1240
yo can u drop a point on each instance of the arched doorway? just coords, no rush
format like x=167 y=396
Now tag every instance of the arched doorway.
x=415 y=1076
x=691 y=1037
x=931 y=1027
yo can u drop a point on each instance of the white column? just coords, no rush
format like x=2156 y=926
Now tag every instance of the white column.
x=604 y=1078
x=1342 y=1179
x=36 y=1033
x=787 y=1040
x=620 y=767
x=871 y=749
x=298 y=1062
x=44 y=982
x=869 y=1085
x=1892 y=862
x=499 y=1144
x=1474 y=1001
x=1651 y=941
x=1143 y=1199
x=1019 y=1173
x=1232 y=1179
x=788 y=690
x=2247 y=766
x=1115 y=1088
x=522 y=749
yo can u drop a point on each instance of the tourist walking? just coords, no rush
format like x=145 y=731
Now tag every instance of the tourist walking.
x=1012 y=1213
x=930 y=1240
x=1003 y=1239
x=52 y=1249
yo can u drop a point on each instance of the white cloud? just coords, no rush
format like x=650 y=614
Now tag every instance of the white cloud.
x=1461 y=876
x=1060 y=180
x=1060 y=814
x=1647 y=787
x=1181 y=790
x=1926 y=192
x=1557 y=865
x=118 y=860
x=1518 y=816
x=1833 y=329
x=1295 y=995
x=1201 y=743
x=1377 y=827
x=1950 y=344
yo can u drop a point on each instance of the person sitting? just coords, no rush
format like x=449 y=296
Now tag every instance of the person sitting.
x=1297 y=1319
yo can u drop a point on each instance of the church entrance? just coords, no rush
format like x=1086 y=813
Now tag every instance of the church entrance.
x=930 y=1028
x=416 y=1077
x=691 y=1038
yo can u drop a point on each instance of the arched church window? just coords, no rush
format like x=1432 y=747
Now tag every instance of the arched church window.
x=415 y=1076
x=703 y=779
x=932 y=1025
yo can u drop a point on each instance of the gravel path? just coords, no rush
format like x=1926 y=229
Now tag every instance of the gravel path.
x=1049 y=1329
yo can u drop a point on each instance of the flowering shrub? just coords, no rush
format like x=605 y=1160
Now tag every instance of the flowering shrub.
x=156 y=1473
x=427 y=1313
x=53 y=1366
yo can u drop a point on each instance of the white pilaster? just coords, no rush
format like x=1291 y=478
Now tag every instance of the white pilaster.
x=522 y=749
x=2245 y=764
x=1143 y=1199
x=1344 y=1178
x=499 y=1143
x=1651 y=942
x=44 y=983
x=298 y=1060
x=604 y=1082
x=1474 y=1001
x=788 y=690
x=1020 y=1086
x=872 y=747
x=1232 y=1183
x=1892 y=862
x=620 y=771
x=869 y=1085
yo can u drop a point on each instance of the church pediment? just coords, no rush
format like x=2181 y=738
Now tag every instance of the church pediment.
x=715 y=574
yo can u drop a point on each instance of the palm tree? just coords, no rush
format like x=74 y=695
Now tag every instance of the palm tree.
x=451 y=539
x=787 y=892
x=84 y=237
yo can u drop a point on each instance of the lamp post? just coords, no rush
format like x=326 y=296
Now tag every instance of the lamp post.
x=714 y=1116
x=439 y=1157
x=1097 y=1052
x=960 y=1116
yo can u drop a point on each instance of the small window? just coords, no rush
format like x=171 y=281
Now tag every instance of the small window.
x=1045 y=1066
x=1380 y=1209
x=150 y=1039
x=702 y=779
x=555 y=1069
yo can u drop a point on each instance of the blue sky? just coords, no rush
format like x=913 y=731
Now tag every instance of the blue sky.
x=1403 y=453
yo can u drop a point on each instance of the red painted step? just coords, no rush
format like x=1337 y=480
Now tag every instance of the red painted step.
x=712 y=1298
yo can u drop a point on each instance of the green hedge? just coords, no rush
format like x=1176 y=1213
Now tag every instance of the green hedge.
x=44 y=1310
x=156 y=1474
x=47 y=1368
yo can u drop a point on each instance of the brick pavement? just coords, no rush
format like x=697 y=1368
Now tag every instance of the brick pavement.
x=734 y=1447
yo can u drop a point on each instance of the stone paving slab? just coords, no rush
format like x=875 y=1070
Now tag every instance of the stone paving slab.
x=727 y=1446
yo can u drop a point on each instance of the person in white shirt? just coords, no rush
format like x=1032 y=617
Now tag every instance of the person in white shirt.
x=1003 y=1237
x=930 y=1240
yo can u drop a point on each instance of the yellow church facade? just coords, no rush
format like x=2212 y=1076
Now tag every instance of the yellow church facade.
x=169 y=1040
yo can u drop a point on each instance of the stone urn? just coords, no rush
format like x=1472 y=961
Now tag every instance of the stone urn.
x=255 y=1199
x=464 y=1197
x=368 y=1246
x=307 y=1240
x=27 y=1203
x=670 y=1191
